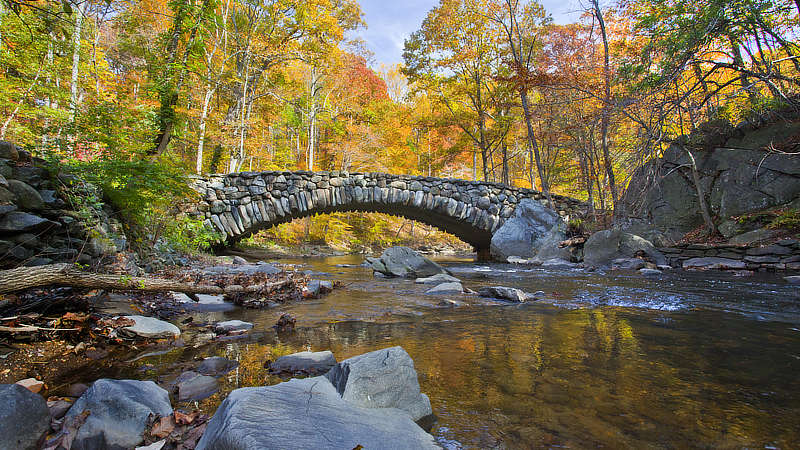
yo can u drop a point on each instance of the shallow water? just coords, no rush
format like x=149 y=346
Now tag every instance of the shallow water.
x=612 y=360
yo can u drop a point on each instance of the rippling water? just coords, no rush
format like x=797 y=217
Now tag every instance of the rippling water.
x=613 y=360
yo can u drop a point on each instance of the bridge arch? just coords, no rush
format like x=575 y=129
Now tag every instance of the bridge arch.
x=240 y=204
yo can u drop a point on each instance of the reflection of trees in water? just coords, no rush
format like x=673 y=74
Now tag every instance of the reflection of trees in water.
x=579 y=378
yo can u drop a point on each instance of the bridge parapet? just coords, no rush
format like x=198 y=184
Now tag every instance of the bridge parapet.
x=242 y=203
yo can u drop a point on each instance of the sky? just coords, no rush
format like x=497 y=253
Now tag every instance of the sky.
x=390 y=22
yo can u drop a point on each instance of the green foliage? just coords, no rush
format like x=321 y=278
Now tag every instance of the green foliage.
x=787 y=219
x=147 y=194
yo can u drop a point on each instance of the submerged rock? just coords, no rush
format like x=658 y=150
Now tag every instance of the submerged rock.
x=216 y=366
x=150 y=327
x=192 y=386
x=438 y=278
x=404 y=262
x=307 y=413
x=24 y=418
x=381 y=379
x=315 y=363
x=523 y=234
x=316 y=288
x=650 y=273
x=232 y=325
x=119 y=413
x=446 y=288
x=503 y=293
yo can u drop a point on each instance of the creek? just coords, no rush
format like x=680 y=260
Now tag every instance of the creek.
x=607 y=359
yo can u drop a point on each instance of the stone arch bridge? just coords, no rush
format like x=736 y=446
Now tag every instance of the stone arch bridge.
x=240 y=204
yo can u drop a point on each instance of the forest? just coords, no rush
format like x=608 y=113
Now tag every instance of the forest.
x=136 y=95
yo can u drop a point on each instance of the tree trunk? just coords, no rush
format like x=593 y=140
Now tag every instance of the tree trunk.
x=68 y=275
x=606 y=105
x=312 y=119
x=202 y=130
x=526 y=110
x=505 y=163
x=76 y=59
x=701 y=197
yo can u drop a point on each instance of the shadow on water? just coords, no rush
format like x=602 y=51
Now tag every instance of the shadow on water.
x=611 y=360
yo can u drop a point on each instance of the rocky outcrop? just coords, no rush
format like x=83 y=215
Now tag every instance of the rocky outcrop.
x=37 y=225
x=738 y=173
x=405 y=263
x=523 y=234
x=119 y=413
x=603 y=247
x=24 y=417
x=369 y=401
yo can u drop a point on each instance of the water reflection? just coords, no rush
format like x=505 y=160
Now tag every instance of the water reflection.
x=702 y=374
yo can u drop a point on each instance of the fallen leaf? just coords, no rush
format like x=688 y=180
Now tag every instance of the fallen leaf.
x=163 y=427
x=75 y=317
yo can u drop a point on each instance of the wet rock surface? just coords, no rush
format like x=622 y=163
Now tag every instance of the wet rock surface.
x=405 y=263
x=446 y=289
x=216 y=366
x=228 y=326
x=308 y=363
x=150 y=327
x=192 y=386
x=438 y=278
x=504 y=293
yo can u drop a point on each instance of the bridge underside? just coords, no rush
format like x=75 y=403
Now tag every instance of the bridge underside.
x=478 y=238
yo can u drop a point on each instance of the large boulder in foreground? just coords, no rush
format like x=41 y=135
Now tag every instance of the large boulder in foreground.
x=381 y=379
x=307 y=413
x=368 y=401
x=404 y=262
x=605 y=246
x=119 y=412
x=24 y=418
x=523 y=234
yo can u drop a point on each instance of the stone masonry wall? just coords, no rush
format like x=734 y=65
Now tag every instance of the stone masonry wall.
x=783 y=255
x=243 y=203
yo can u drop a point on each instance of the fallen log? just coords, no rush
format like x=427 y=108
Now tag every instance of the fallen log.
x=21 y=278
